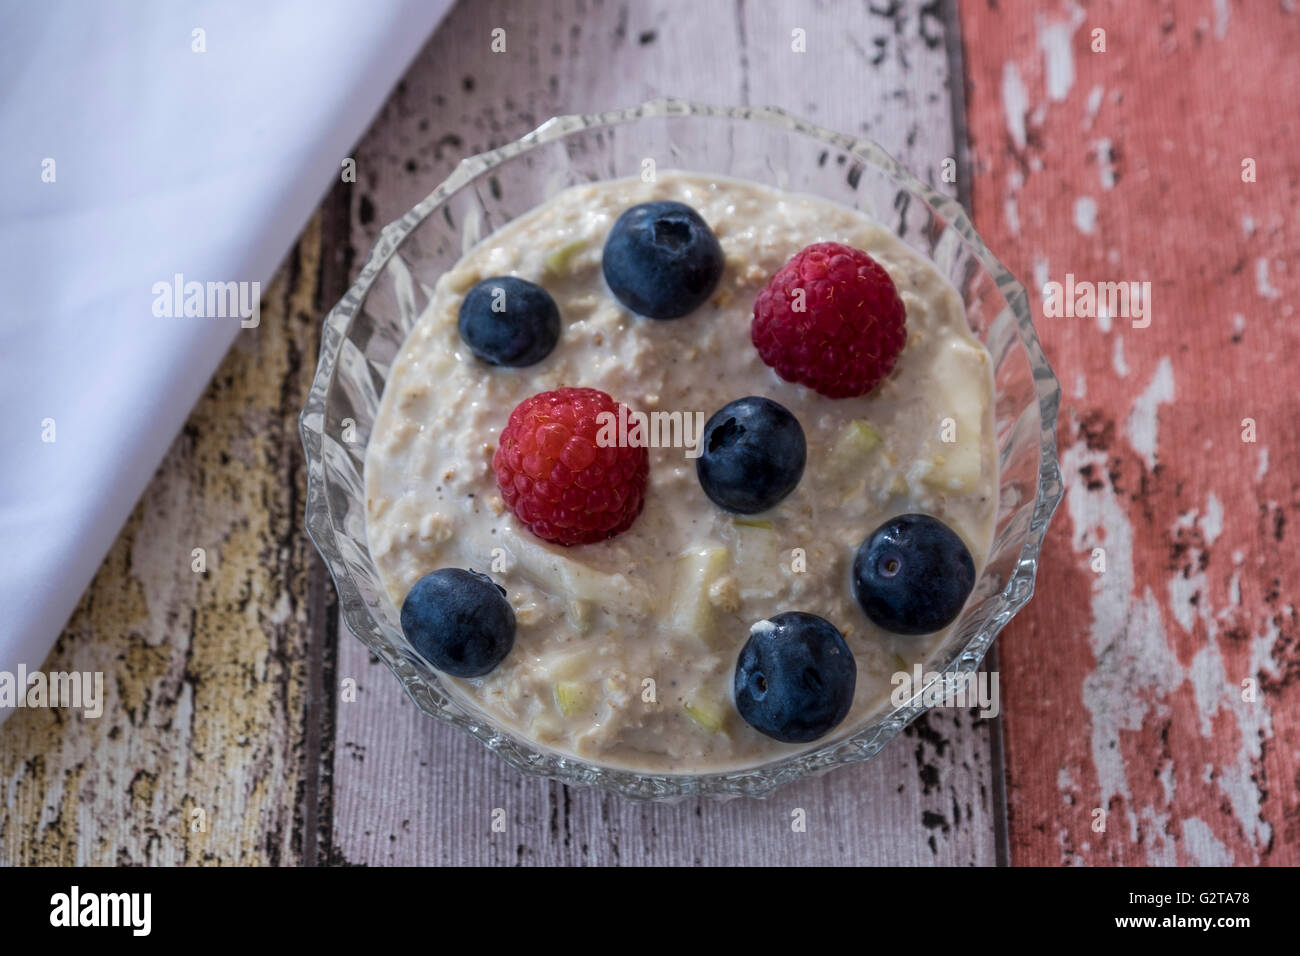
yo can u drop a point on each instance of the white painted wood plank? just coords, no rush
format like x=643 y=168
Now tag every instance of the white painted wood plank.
x=408 y=789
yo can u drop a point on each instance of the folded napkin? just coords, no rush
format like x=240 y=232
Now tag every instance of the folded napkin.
x=140 y=142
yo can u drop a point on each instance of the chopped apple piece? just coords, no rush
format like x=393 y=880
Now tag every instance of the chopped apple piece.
x=758 y=546
x=576 y=665
x=546 y=567
x=573 y=697
x=708 y=714
x=581 y=615
x=693 y=612
x=857 y=438
x=557 y=263
x=852 y=451
x=958 y=371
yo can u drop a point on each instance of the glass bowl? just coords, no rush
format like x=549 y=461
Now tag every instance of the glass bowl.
x=363 y=333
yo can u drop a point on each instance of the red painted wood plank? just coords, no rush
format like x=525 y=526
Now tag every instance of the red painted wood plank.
x=1123 y=688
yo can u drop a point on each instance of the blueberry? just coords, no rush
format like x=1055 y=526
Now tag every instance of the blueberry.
x=509 y=321
x=752 y=455
x=459 y=621
x=662 y=260
x=795 y=677
x=912 y=575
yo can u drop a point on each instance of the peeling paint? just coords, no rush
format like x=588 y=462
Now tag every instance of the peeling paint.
x=1204 y=848
x=1085 y=215
x=1117 y=359
x=1212 y=523
x=1262 y=283
x=1177 y=661
x=1015 y=103
x=1143 y=422
x=1055 y=40
x=1222 y=14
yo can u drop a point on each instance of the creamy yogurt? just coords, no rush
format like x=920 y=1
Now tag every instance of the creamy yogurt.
x=625 y=650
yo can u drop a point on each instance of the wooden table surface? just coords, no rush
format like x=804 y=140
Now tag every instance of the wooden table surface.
x=225 y=739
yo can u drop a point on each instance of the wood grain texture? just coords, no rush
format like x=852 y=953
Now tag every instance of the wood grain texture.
x=205 y=674
x=408 y=789
x=1123 y=689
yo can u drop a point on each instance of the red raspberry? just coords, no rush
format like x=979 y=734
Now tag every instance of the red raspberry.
x=557 y=480
x=850 y=330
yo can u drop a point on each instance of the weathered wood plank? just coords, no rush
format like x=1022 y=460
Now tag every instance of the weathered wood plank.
x=408 y=789
x=1127 y=165
x=205 y=674
x=412 y=790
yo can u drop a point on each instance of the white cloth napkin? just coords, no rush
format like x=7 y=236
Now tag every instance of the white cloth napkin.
x=166 y=160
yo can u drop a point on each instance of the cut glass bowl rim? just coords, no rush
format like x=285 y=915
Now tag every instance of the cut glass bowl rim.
x=535 y=759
